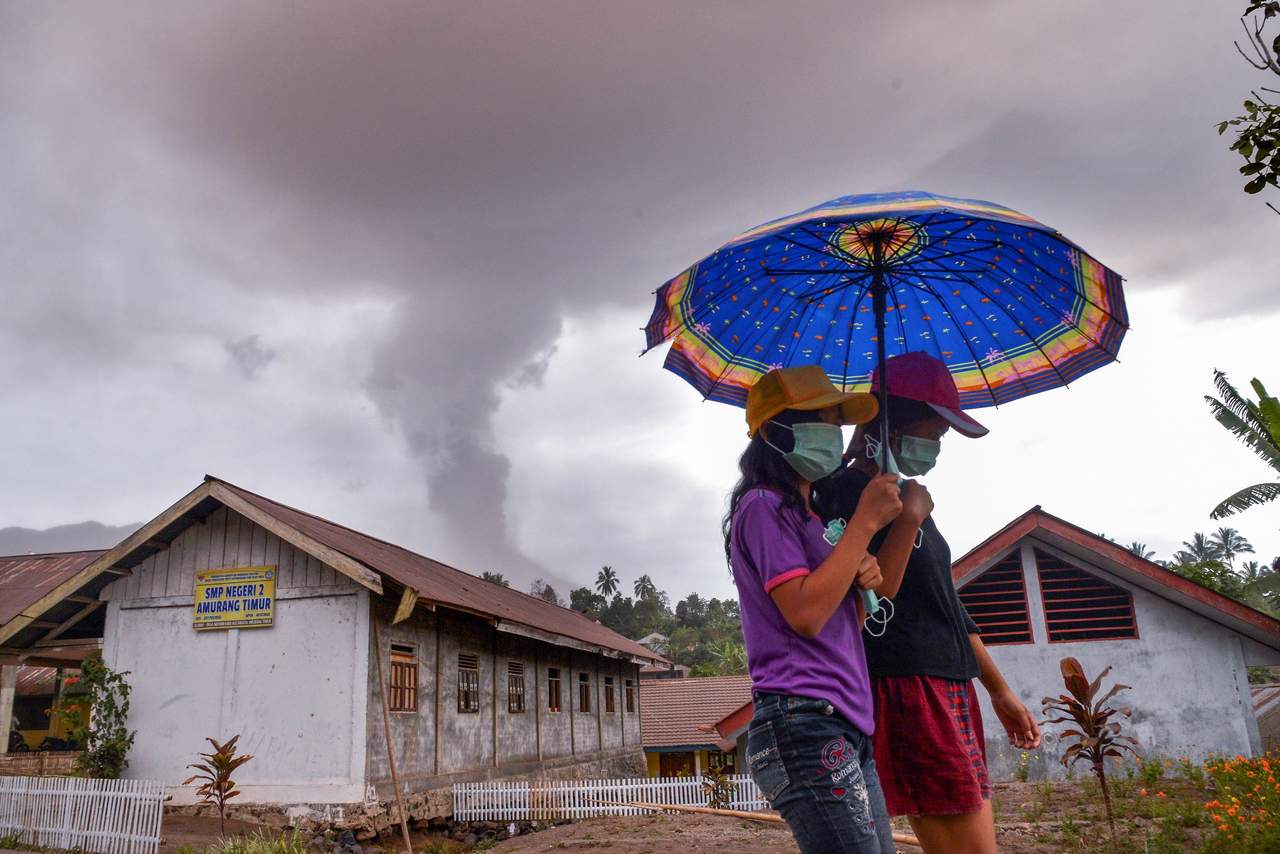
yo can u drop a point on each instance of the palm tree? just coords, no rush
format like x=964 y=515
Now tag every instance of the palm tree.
x=1229 y=542
x=1250 y=571
x=1197 y=550
x=730 y=657
x=644 y=588
x=606 y=581
x=1141 y=550
x=1258 y=426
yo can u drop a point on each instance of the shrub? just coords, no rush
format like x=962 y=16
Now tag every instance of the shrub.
x=1243 y=814
x=216 y=785
x=260 y=842
x=100 y=729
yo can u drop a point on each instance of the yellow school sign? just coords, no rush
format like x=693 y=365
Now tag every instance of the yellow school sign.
x=235 y=598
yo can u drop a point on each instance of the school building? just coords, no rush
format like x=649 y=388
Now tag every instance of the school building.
x=235 y=614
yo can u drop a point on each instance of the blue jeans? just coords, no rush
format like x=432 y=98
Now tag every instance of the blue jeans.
x=819 y=772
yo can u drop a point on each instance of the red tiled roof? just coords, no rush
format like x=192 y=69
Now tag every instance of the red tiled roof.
x=26 y=579
x=438 y=582
x=677 y=712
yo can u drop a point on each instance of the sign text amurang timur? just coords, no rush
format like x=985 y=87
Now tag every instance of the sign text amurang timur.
x=235 y=598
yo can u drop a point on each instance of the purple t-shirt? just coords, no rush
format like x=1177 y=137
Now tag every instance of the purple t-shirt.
x=768 y=546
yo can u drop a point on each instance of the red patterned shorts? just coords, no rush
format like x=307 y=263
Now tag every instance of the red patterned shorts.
x=930 y=750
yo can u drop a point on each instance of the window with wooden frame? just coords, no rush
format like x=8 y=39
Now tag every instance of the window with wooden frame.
x=553 y=689
x=584 y=692
x=609 y=705
x=997 y=602
x=515 y=687
x=403 y=693
x=468 y=682
x=1080 y=606
x=630 y=688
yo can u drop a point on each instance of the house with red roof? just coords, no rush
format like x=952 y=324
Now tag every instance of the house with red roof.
x=679 y=719
x=1041 y=589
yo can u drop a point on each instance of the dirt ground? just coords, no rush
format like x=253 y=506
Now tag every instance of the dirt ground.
x=1031 y=818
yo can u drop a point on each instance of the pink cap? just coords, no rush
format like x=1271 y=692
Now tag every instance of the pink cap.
x=919 y=376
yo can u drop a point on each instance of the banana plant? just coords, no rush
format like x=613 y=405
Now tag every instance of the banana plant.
x=216 y=785
x=1095 y=735
x=1258 y=426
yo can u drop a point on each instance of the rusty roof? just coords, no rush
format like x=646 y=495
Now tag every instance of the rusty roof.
x=25 y=579
x=1266 y=699
x=684 y=712
x=443 y=584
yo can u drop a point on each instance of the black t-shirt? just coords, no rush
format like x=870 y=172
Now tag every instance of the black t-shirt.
x=929 y=632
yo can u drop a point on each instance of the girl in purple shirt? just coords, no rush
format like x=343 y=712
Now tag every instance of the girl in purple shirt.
x=809 y=745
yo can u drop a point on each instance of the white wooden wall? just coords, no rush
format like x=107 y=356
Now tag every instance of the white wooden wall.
x=225 y=539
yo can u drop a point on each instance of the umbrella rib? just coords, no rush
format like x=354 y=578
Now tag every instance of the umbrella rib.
x=933 y=330
x=976 y=361
x=1014 y=283
x=1012 y=274
x=848 y=341
x=730 y=362
x=973 y=284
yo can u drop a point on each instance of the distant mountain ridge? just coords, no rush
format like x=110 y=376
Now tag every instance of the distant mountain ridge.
x=79 y=536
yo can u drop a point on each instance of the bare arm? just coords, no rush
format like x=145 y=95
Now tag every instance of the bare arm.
x=809 y=601
x=1018 y=723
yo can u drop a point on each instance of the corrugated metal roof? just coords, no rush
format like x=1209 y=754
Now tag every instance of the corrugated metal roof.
x=444 y=584
x=25 y=579
x=1266 y=699
x=677 y=712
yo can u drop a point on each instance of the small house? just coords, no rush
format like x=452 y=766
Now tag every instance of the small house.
x=1041 y=589
x=679 y=724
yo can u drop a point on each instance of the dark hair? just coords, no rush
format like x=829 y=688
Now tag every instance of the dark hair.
x=763 y=467
x=903 y=413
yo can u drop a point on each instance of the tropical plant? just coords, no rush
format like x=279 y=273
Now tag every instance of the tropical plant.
x=1141 y=550
x=730 y=657
x=261 y=842
x=1258 y=135
x=1229 y=542
x=644 y=588
x=1199 y=549
x=545 y=592
x=719 y=788
x=1095 y=735
x=606 y=581
x=216 y=785
x=1258 y=426
x=99 y=714
x=583 y=600
x=496 y=578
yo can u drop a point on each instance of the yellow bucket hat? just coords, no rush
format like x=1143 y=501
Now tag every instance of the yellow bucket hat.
x=805 y=388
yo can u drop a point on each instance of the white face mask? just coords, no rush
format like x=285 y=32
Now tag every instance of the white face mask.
x=817 y=452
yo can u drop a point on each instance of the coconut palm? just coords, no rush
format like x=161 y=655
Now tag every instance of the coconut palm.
x=1141 y=550
x=644 y=588
x=606 y=581
x=1258 y=426
x=1229 y=543
x=1198 y=549
x=1250 y=570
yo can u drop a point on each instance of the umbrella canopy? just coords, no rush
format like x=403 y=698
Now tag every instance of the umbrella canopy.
x=1010 y=305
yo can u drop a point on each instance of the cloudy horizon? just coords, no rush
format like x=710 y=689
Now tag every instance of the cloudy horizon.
x=391 y=267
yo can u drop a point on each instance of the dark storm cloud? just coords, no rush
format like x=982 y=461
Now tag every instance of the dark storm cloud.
x=493 y=167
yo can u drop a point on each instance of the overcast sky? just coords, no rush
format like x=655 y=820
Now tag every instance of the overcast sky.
x=390 y=263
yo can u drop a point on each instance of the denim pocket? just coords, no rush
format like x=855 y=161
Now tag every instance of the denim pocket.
x=765 y=762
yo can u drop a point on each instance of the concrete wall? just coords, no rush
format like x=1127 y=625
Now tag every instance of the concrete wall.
x=1189 y=695
x=494 y=741
x=294 y=692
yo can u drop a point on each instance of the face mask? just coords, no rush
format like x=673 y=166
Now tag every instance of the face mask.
x=818 y=450
x=917 y=456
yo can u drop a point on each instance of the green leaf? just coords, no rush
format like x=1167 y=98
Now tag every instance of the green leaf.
x=1250 y=496
x=1255 y=186
x=1252 y=168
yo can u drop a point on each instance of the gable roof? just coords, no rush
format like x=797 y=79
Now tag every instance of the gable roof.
x=684 y=712
x=1093 y=550
x=365 y=559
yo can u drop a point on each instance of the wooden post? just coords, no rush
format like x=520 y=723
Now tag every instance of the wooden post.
x=386 y=727
x=8 y=682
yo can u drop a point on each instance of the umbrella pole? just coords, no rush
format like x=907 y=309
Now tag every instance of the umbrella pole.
x=878 y=303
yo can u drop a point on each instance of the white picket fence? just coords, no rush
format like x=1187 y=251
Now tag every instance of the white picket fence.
x=102 y=816
x=544 y=800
